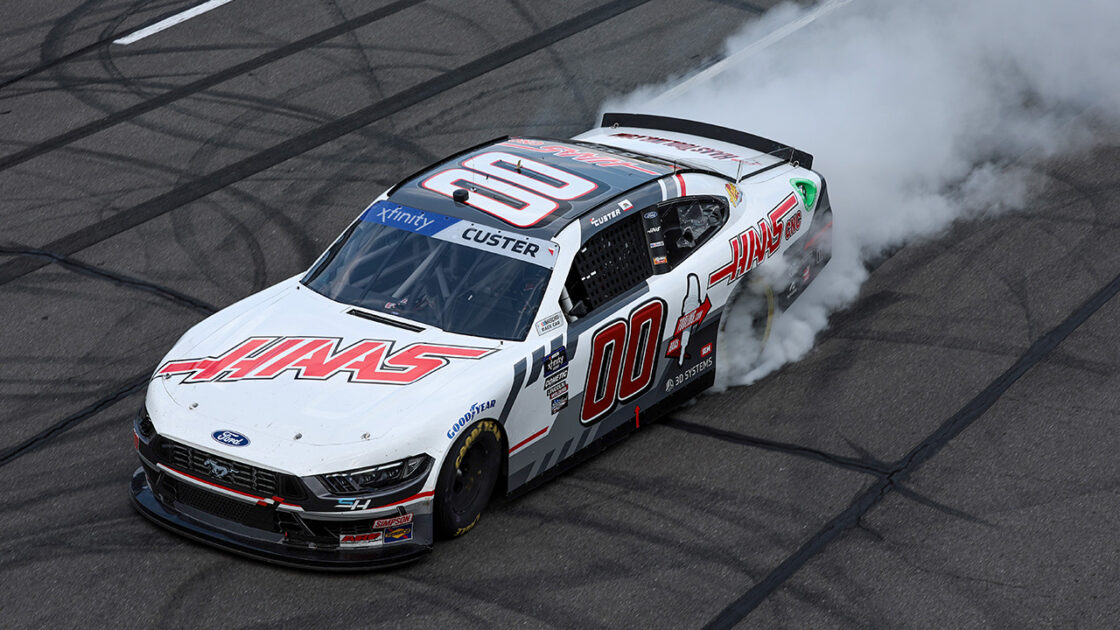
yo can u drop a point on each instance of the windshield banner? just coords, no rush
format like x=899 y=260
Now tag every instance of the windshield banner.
x=469 y=234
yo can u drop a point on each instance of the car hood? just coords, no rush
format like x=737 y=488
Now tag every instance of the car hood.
x=324 y=410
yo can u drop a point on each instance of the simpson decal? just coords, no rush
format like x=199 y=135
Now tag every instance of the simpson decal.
x=392 y=522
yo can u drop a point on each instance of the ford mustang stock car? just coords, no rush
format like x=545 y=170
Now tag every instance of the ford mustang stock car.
x=483 y=324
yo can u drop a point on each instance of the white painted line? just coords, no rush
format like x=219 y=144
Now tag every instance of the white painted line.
x=778 y=34
x=165 y=24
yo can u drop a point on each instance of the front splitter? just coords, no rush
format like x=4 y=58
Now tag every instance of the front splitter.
x=262 y=548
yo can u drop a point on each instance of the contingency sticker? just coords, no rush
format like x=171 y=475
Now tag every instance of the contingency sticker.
x=552 y=322
x=554 y=361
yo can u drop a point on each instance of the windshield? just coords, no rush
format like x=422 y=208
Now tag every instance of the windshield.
x=456 y=275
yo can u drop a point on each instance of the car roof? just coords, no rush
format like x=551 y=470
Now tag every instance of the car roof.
x=612 y=171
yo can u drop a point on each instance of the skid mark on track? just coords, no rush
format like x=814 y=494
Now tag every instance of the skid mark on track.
x=120 y=279
x=914 y=459
x=194 y=87
x=866 y=465
x=298 y=145
x=135 y=385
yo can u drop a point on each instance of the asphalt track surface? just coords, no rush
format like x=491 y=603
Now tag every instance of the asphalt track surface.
x=945 y=457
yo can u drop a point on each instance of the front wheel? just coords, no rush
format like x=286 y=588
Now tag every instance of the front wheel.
x=467 y=478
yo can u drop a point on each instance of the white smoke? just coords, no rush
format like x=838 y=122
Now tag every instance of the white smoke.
x=918 y=113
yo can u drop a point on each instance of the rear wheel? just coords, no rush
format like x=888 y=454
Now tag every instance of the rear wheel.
x=467 y=478
x=743 y=331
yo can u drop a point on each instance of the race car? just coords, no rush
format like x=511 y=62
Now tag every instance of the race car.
x=481 y=325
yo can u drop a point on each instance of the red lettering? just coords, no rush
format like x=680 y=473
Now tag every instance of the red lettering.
x=409 y=365
x=645 y=330
x=623 y=359
x=757 y=243
x=366 y=360
x=243 y=367
x=286 y=361
x=207 y=369
x=324 y=363
x=602 y=376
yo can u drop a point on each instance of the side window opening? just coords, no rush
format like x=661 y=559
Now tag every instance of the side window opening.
x=610 y=263
x=688 y=223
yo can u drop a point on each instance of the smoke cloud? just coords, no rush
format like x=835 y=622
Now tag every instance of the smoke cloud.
x=917 y=113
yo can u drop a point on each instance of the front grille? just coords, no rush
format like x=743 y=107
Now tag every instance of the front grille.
x=221 y=470
x=334 y=529
x=223 y=507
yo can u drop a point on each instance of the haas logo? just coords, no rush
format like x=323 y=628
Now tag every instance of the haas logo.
x=320 y=358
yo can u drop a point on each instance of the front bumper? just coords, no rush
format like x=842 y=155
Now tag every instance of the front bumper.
x=274 y=546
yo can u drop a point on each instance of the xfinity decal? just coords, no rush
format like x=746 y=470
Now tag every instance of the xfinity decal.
x=318 y=359
x=401 y=217
x=554 y=361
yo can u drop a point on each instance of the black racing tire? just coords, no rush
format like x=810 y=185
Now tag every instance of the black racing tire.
x=467 y=478
x=744 y=329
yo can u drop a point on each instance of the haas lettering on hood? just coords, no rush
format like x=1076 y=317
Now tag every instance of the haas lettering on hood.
x=319 y=358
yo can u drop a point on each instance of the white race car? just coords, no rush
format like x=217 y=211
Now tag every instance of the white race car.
x=481 y=325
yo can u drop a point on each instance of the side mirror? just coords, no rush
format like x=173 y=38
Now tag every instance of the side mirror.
x=579 y=309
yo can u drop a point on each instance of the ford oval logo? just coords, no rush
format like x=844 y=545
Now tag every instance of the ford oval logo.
x=230 y=438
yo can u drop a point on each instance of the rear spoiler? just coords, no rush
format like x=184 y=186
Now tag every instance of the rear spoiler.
x=713 y=132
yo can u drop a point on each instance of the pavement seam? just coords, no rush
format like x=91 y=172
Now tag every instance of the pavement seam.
x=194 y=87
x=227 y=175
x=80 y=267
x=918 y=455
